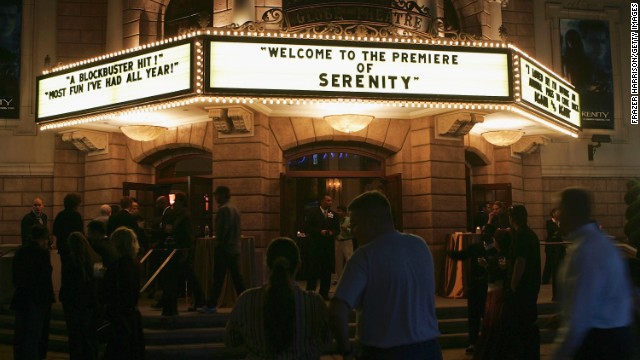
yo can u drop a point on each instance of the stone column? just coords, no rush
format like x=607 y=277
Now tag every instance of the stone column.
x=114 y=25
x=433 y=186
x=250 y=166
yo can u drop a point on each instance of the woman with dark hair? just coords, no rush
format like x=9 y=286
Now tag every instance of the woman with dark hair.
x=279 y=320
x=122 y=287
x=80 y=298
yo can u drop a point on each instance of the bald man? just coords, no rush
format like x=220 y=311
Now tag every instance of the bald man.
x=33 y=217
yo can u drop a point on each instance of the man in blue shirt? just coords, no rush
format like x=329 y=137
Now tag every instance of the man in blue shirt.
x=596 y=291
x=389 y=280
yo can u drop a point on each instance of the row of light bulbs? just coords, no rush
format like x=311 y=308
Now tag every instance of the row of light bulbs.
x=269 y=101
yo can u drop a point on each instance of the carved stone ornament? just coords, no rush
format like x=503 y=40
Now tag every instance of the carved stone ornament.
x=430 y=27
x=91 y=142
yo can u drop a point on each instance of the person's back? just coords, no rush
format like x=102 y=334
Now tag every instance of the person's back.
x=398 y=303
x=597 y=293
x=279 y=320
x=390 y=282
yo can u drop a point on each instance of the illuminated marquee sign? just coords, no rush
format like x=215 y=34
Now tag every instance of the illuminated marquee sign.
x=145 y=75
x=393 y=71
x=545 y=91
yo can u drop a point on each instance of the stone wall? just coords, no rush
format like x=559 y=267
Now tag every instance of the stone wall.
x=81 y=29
x=16 y=196
x=608 y=199
x=517 y=18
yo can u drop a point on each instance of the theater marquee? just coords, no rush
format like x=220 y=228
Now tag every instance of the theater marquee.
x=321 y=68
x=232 y=67
x=120 y=81
x=545 y=91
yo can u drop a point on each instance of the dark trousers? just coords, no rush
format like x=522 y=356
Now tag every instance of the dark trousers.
x=320 y=264
x=325 y=282
x=476 y=299
x=126 y=341
x=31 y=332
x=606 y=344
x=81 y=327
x=224 y=261
x=172 y=279
x=555 y=256
x=425 y=350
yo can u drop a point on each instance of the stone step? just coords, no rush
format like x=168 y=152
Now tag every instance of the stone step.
x=198 y=336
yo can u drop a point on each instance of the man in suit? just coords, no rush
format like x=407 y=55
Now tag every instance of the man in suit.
x=35 y=216
x=127 y=217
x=554 y=253
x=322 y=226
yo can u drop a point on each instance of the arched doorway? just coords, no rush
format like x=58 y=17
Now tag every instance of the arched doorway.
x=343 y=173
x=190 y=174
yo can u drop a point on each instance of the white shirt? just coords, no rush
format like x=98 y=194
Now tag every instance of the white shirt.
x=597 y=291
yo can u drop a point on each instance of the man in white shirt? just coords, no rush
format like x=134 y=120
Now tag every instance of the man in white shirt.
x=596 y=288
x=389 y=280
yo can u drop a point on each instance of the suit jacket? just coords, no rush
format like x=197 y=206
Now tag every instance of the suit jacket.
x=32 y=277
x=315 y=222
x=126 y=219
x=122 y=218
x=27 y=223
x=66 y=222
x=553 y=235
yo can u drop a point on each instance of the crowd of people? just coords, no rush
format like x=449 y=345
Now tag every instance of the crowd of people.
x=388 y=280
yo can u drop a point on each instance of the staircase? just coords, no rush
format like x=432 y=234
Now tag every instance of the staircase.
x=198 y=336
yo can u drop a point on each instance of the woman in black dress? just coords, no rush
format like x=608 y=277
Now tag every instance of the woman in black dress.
x=80 y=297
x=122 y=287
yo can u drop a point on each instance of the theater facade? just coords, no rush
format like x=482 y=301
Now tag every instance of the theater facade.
x=441 y=105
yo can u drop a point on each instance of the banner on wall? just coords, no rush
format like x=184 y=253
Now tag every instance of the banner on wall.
x=10 y=31
x=586 y=62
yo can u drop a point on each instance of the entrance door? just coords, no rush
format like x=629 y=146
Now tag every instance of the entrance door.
x=298 y=194
x=146 y=194
x=199 y=198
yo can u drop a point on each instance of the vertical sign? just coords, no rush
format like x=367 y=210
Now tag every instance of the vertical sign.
x=10 y=31
x=586 y=63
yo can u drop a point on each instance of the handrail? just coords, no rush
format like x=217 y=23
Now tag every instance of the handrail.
x=8 y=252
x=146 y=256
x=164 y=263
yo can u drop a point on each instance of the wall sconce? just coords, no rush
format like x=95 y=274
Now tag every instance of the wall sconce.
x=142 y=132
x=348 y=123
x=599 y=139
x=503 y=137
x=334 y=184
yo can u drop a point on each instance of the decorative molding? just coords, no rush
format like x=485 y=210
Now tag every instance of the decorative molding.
x=275 y=19
x=456 y=124
x=91 y=142
x=232 y=122
x=588 y=171
x=26 y=169
x=529 y=144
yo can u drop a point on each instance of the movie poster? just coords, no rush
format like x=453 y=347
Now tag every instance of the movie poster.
x=10 y=31
x=586 y=63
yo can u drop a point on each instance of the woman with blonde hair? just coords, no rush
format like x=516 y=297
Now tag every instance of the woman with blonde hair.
x=79 y=299
x=122 y=287
x=279 y=320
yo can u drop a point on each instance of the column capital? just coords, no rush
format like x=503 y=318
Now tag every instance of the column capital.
x=91 y=142
x=457 y=124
